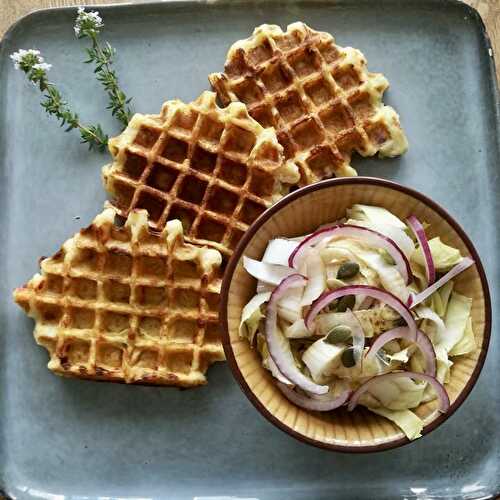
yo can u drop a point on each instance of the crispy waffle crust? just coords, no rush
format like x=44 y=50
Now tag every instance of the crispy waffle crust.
x=215 y=169
x=123 y=304
x=321 y=99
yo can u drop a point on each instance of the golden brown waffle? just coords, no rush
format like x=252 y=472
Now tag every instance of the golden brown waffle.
x=215 y=169
x=321 y=99
x=126 y=305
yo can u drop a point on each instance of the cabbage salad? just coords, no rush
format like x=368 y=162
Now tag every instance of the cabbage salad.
x=362 y=311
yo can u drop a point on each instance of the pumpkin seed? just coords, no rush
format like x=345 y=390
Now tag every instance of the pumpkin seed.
x=339 y=335
x=346 y=302
x=347 y=358
x=348 y=270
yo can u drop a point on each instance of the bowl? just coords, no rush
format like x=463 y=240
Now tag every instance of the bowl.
x=302 y=212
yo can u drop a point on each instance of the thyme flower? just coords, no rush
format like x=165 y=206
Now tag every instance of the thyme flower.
x=88 y=25
x=34 y=66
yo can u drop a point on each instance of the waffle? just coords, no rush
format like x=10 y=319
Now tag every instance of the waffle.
x=215 y=169
x=123 y=304
x=320 y=98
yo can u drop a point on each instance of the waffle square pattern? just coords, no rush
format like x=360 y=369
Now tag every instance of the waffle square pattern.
x=320 y=98
x=215 y=169
x=124 y=304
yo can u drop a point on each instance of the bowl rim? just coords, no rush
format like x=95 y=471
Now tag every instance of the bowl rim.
x=237 y=254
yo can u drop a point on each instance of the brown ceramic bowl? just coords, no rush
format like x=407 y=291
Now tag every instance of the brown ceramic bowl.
x=302 y=212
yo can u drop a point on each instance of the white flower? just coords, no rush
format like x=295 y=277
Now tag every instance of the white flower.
x=87 y=21
x=22 y=55
x=43 y=66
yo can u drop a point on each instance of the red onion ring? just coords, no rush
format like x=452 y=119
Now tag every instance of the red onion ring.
x=360 y=232
x=423 y=342
x=323 y=404
x=440 y=390
x=419 y=232
x=283 y=359
x=392 y=301
x=465 y=263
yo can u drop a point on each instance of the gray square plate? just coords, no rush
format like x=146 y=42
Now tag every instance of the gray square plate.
x=74 y=439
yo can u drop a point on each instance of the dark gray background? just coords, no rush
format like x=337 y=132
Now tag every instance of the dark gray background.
x=82 y=439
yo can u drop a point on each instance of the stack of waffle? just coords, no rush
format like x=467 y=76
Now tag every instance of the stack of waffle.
x=138 y=302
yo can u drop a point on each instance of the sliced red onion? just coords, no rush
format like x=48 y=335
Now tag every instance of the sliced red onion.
x=465 y=263
x=419 y=232
x=276 y=373
x=323 y=404
x=279 y=346
x=444 y=400
x=423 y=342
x=392 y=301
x=363 y=233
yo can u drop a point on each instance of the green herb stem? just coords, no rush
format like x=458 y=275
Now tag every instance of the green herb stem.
x=103 y=59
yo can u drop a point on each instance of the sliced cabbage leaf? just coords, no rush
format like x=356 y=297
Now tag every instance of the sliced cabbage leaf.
x=395 y=394
x=420 y=280
x=372 y=262
x=406 y=420
x=251 y=316
x=322 y=359
x=341 y=250
x=332 y=254
x=278 y=251
x=333 y=283
x=388 y=274
x=467 y=343
x=396 y=234
x=268 y=273
x=444 y=365
x=298 y=330
x=444 y=256
x=362 y=371
x=445 y=294
x=378 y=215
x=401 y=356
x=289 y=306
x=316 y=275
x=374 y=321
x=417 y=364
x=436 y=334
x=457 y=315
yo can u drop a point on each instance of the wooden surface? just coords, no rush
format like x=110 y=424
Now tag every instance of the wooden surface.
x=10 y=10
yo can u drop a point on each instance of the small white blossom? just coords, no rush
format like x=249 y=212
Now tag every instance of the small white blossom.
x=87 y=21
x=21 y=55
x=43 y=66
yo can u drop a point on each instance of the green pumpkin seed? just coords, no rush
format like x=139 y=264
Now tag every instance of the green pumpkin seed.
x=348 y=270
x=347 y=358
x=346 y=302
x=387 y=257
x=339 y=335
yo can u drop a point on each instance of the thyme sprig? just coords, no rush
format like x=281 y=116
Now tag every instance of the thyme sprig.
x=33 y=65
x=88 y=25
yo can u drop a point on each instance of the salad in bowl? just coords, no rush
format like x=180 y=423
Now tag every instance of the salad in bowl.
x=362 y=311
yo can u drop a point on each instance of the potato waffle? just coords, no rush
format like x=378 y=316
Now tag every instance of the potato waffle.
x=124 y=304
x=215 y=169
x=320 y=98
